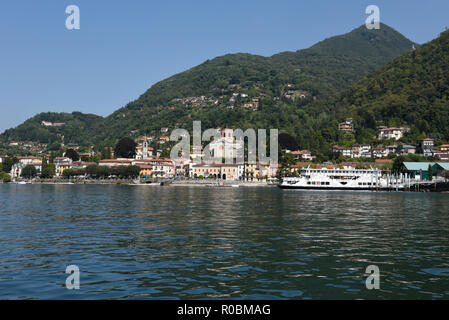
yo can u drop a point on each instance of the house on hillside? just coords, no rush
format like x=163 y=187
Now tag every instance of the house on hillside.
x=346 y=126
x=392 y=133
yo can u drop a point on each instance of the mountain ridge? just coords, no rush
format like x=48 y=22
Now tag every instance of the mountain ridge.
x=320 y=71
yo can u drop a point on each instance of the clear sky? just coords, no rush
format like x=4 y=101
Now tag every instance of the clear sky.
x=123 y=47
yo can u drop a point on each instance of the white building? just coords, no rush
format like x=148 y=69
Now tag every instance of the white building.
x=426 y=147
x=380 y=152
x=225 y=147
x=144 y=151
x=16 y=169
x=392 y=133
x=346 y=152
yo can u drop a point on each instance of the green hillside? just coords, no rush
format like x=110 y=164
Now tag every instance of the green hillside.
x=78 y=128
x=320 y=71
x=240 y=90
x=412 y=90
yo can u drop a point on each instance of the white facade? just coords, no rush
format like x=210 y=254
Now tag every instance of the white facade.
x=340 y=179
x=16 y=169
x=144 y=151
x=392 y=133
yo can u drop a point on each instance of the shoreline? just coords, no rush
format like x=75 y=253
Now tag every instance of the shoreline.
x=212 y=184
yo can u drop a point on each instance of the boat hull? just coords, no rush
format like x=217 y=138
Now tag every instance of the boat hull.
x=323 y=188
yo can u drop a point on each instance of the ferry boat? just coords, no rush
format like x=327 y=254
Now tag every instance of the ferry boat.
x=336 y=179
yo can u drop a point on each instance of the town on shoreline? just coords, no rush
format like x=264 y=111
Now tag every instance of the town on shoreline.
x=135 y=161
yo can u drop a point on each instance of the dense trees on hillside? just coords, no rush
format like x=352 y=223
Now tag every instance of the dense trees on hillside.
x=411 y=90
x=72 y=154
x=322 y=70
x=125 y=148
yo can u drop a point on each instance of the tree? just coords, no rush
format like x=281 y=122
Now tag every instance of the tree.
x=430 y=172
x=125 y=148
x=45 y=172
x=8 y=163
x=397 y=163
x=6 y=178
x=105 y=153
x=286 y=141
x=72 y=154
x=29 y=172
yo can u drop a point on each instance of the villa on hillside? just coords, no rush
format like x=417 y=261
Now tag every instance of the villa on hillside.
x=392 y=133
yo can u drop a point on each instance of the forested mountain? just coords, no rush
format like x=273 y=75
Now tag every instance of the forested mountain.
x=75 y=127
x=412 y=90
x=240 y=90
x=320 y=71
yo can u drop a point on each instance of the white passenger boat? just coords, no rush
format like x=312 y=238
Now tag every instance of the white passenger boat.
x=336 y=179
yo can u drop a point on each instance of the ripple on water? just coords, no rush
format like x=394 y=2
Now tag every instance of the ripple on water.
x=194 y=243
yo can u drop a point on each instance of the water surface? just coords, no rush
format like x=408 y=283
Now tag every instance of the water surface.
x=141 y=242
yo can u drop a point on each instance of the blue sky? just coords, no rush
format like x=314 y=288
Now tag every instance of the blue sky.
x=123 y=47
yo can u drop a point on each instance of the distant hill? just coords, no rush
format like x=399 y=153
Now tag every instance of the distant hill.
x=77 y=128
x=241 y=90
x=321 y=71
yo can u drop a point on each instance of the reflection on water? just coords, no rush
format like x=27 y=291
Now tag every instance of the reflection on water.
x=190 y=243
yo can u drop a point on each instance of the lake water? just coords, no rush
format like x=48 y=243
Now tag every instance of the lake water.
x=141 y=242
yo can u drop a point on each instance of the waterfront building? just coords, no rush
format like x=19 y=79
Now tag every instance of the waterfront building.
x=146 y=171
x=205 y=170
x=62 y=164
x=250 y=171
x=441 y=168
x=215 y=171
x=16 y=169
x=229 y=172
x=163 y=168
x=417 y=170
x=115 y=162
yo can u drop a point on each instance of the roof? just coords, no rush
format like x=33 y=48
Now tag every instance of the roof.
x=115 y=160
x=444 y=165
x=384 y=161
x=145 y=166
x=417 y=166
